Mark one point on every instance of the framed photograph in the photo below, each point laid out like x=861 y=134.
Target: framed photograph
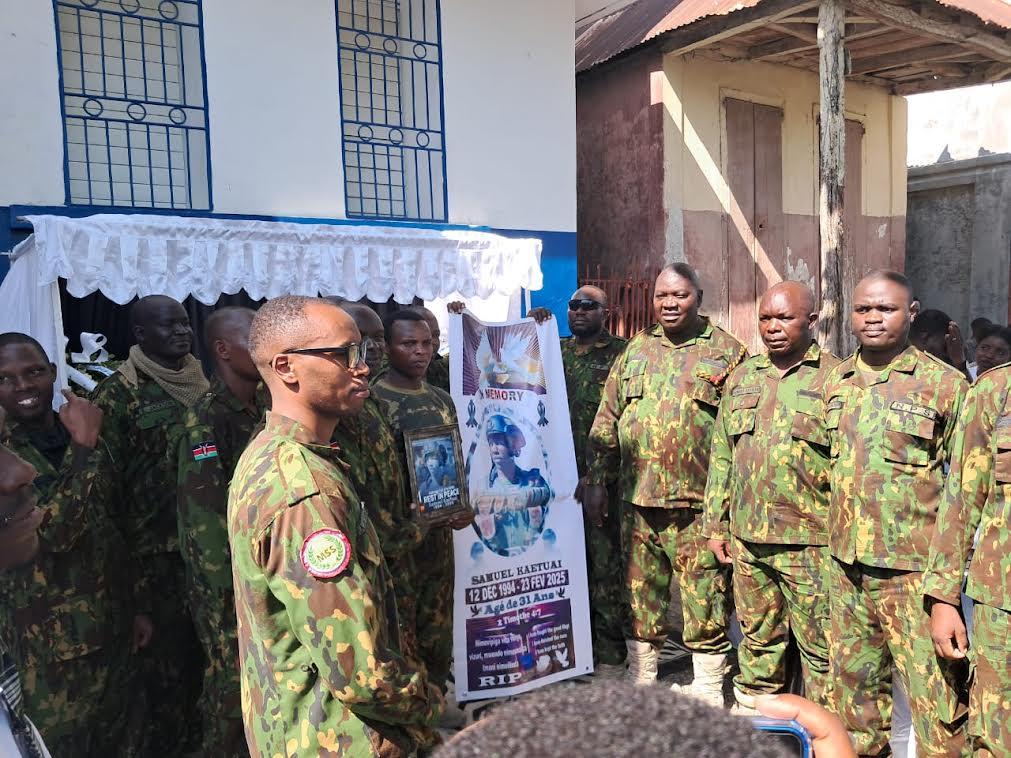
x=438 y=479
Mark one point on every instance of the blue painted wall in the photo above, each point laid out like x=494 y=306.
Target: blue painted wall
x=558 y=264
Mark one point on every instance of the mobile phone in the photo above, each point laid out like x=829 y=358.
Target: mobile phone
x=789 y=734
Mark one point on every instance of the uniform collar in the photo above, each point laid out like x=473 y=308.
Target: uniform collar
x=812 y=357
x=287 y=428
x=604 y=339
x=707 y=332
x=905 y=363
x=222 y=391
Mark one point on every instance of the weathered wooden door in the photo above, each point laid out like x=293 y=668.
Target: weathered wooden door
x=754 y=222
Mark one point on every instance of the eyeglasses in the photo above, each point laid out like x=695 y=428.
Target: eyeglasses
x=584 y=305
x=354 y=353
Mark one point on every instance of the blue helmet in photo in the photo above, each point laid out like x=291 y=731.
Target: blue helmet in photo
x=499 y=424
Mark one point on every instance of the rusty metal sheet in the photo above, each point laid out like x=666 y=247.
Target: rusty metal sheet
x=643 y=20
x=997 y=12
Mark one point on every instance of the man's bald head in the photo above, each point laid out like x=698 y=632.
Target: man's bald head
x=161 y=327
x=226 y=340
x=284 y=323
x=796 y=293
x=150 y=308
x=319 y=385
x=433 y=324
x=589 y=292
x=587 y=311
x=371 y=328
x=365 y=318
x=892 y=277
x=231 y=323
x=786 y=317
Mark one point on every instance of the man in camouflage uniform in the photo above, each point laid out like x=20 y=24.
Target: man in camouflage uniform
x=651 y=439
x=372 y=331
x=438 y=370
x=19 y=544
x=767 y=498
x=977 y=496
x=587 y=357
x=891 y=412
x=410 y=403
x=143 y=402
x=320 y=661
x=369 y=447
x=213 y=435
x=67 y=615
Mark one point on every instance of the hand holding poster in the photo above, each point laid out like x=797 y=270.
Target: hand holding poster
x=521 y=615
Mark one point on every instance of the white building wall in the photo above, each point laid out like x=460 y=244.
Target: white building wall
x=510 y=97
x=31 y=131
x=967 y=122
x=273 y=95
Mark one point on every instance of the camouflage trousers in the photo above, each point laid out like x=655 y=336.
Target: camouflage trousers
x=404 y=575
x=990 y=689
x=659 y=545
x=434 y=585
x=220 y=703
x=172 y=665
x=99 y=689
x=780 y=590
x=877 y=621
x=608 y=602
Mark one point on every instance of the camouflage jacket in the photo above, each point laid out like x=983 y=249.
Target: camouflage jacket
x=768 y=469
x=211 y=438
x=319 y=652
x=73 y=600
x=438 y=372
x=653 y=430
x=977 y=495
x=137 y=431
x=891 y=439
x=586 y=370
x=369 y=446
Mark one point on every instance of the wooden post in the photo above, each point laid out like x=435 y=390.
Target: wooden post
x=832 y=167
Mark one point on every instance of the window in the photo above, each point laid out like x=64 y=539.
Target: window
x=134 y=103
x=390 y=58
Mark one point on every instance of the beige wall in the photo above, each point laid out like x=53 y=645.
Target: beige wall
x=693 y=90
x=704 y=224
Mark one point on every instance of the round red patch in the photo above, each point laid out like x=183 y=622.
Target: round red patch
x=326 y=553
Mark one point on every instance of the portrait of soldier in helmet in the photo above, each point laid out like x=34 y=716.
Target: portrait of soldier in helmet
x=511 y=510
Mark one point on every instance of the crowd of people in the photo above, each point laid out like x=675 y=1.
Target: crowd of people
x=233 y=566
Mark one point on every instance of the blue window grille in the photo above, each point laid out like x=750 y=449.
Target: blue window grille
x=390 y=59
x=134 y=103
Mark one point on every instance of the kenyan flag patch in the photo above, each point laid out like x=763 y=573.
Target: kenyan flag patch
x=205 y=450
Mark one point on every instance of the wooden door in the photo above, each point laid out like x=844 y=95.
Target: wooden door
x=754 y=222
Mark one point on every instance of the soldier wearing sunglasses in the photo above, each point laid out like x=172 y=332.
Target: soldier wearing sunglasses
x=587 y=357
x=319 y=643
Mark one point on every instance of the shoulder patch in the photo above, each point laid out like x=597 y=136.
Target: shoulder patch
x=326 y=553
x=917 y=410
x=205 y=450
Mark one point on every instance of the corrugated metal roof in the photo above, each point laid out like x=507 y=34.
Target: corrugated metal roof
x=640 y=22
x=643 y=20
x=989 y=11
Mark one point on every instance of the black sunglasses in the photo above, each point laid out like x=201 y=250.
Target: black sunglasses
x=584 y=305
x=354 y=353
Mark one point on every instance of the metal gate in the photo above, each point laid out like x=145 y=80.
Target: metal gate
x=630 y=299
